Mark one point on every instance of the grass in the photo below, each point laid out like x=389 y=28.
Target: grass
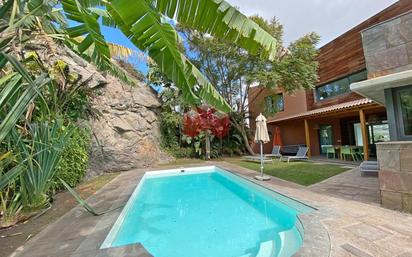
x=303 y=173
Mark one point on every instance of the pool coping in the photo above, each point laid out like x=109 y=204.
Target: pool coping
x=81 y=234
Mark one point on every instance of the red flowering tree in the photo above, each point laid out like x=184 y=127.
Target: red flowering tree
x=206 y=119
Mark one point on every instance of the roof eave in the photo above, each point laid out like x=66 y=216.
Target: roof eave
x=374 y=88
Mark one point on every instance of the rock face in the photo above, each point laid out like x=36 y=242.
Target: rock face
x=127 y=133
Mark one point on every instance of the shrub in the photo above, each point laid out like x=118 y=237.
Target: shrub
x=181 y=152
x=169 y=127
x=74 y=160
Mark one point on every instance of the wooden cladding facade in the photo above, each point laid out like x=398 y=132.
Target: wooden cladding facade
x=345 y=55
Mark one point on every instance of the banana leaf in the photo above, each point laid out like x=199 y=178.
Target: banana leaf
x=83 y=203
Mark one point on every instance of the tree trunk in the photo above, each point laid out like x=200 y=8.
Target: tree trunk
x=207 y=154
x=242 y=131
x=246 y=141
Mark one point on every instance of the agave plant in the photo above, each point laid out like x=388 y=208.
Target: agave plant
x=18 y=91
x=41 y=155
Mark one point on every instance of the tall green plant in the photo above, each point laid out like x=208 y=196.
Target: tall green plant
x=10 y=204
x=18 y=91
x=41 y=154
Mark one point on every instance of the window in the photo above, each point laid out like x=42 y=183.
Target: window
x=405 y=102
x=339 y=87
x=378 y=133
x=274 y=103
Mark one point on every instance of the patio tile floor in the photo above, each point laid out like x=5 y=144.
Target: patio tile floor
x=350 y=185
x=348 y=228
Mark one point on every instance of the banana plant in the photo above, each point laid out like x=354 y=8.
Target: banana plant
x=148 y=24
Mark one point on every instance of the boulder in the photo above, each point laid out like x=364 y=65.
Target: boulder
x=126 y=133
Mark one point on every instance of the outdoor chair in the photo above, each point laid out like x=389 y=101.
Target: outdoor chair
x=369 y=167
x=275 y=152
x=255 y=158
x=359 y=153
x=300 y=155
x=330 y=150
x=347 y=151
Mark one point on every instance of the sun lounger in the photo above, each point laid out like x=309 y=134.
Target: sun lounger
x=255 y=158
x=275 y=152
x=369 y=167
x=300 y=155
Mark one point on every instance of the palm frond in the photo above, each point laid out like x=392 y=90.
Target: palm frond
x=122 y=52
x=150 y=32
x=88 y=27
x=220 y=19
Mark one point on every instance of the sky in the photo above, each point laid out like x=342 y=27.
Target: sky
x=328 y=18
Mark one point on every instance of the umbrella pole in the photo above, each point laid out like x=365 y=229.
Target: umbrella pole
x=261 y=158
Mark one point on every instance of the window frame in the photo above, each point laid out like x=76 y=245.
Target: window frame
x=399 y=117
x=349 y=80
x=274 y=104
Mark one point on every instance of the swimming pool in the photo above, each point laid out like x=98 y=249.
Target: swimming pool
x=208 y=212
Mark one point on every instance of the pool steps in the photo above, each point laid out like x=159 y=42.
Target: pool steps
x=266 y=249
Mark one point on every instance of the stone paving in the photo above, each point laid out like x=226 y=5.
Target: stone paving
x=348 y=228
x=350 y=185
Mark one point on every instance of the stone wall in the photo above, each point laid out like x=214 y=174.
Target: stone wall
x=388 y=46
x=395 y=175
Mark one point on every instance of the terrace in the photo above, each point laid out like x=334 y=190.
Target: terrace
x=337 y=228
x=170 y=166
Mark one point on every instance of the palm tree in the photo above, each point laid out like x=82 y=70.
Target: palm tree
x=149 y=24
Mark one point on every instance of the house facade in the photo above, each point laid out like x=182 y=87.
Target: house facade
x=331 y=114
x=388 y=54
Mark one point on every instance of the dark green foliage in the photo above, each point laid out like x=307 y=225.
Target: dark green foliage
x=74 y=160
x=170 y=129
x=232 y=70
x=182 y=152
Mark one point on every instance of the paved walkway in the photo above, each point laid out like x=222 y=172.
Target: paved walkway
x=350 y=185
x=353 y=228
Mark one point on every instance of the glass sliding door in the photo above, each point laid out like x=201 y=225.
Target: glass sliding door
x=405 y=105
x=358 y=134
x=325 y=137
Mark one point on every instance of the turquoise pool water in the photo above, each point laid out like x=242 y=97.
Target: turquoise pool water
x=208 y=212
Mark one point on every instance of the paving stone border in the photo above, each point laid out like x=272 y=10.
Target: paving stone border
x=339 y=228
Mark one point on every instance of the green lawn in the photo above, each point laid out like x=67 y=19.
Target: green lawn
x=303 y=173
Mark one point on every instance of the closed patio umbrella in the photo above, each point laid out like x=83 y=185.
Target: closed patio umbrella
x=261 y=137
x=277 y=139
